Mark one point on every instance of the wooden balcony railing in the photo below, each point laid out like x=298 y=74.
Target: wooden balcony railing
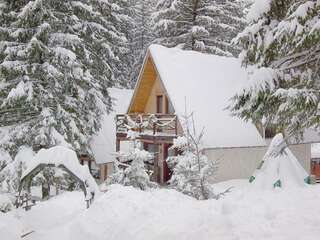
x=148 y=124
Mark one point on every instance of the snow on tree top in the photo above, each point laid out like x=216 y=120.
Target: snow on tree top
x=258 y=8
x=204 y=85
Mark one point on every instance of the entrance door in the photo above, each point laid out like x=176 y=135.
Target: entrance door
x=166 y=170
x=315 y=168
x=152 y=167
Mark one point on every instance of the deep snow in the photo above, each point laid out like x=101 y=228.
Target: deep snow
x=127 y=213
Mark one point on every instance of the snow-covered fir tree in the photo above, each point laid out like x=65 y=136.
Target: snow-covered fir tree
x=121 y=16
x=130 y=167
x=192 y=169
x=201 y=25
x=141 y=35
x=57 y=59
x=282 y=47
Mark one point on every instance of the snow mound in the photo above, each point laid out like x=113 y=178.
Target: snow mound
x=279 y=168
x=127 y=213
x=10 y=227
x=62 y=156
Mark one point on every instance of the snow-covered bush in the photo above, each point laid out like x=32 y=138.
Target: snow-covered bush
x=11 y=173
x=5 y=159
x=191 y=168
x=5 y=203
x=130 y=167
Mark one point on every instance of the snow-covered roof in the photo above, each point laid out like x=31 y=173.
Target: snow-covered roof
x=310 y=135
x=204 y=84
x=103 y=145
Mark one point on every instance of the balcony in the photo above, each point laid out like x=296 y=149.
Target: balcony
x=149 y=126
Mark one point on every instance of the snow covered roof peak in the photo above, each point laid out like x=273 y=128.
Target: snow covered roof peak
x=204 y=84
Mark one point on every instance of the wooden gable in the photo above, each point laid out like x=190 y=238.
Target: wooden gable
x=144 y=86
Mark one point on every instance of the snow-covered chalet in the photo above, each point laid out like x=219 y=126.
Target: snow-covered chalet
x=174 y=82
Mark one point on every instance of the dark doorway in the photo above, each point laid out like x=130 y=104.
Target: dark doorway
x=166 y=170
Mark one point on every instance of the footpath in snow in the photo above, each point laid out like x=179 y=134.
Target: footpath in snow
x=127 y=213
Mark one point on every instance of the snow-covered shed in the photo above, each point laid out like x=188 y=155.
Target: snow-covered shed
x=174 y=82
x=103 y=144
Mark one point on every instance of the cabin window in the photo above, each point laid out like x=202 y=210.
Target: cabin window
x=169 y=108
x=160 y=104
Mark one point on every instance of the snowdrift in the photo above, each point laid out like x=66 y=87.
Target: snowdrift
x=279 y=168
x=128 y=213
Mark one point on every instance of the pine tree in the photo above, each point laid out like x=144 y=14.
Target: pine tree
x=192 y=170
x=134 y=174
x=141 y=35
x=202 y=25
x=123 y=19
x=282 y=47
x=57 y=59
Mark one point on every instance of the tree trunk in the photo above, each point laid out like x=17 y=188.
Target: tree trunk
x=194 y=16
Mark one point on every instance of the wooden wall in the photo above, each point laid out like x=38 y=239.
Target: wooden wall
x=144 y=88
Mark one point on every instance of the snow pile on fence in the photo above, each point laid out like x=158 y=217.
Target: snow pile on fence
x=279 y=168
x=5 y=203
x=62 y=156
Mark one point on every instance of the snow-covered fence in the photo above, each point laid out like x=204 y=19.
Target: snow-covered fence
x=65 y=159
x=25 y=201
x=147 y=123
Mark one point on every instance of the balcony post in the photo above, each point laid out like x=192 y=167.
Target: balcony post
x=176 y=126
x=117 y=145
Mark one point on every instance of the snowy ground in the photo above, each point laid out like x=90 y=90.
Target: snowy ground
x=126 y=213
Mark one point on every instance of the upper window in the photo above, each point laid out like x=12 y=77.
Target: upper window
x=159 y=104
x=169 y=107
